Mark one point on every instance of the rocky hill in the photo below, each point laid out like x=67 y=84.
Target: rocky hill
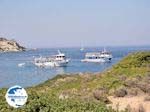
x=10 y=46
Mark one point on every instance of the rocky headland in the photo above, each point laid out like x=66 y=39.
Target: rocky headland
x=10 y=46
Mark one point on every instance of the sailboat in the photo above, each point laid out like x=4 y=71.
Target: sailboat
x=82 y=49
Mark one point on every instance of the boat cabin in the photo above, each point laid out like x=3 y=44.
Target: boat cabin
x=60 y=57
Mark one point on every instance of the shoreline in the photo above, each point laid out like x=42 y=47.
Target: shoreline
x=129 y=77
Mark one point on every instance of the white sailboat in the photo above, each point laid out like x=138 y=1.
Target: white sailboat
x=82 y=49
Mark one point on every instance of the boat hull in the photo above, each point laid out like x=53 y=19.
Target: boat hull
x=101 y=60
x=52 y=64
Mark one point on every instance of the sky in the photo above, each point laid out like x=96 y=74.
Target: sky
x=75 y=23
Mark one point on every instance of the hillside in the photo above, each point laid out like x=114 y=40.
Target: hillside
x=108 y=91
x=10 y=46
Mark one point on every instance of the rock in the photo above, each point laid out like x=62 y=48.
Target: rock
x=131 y=83
x=143 y=84
x=87 y=77
x=120 y=92
x=64 y=95
x=139 y=77
x=133 y=92
x=122 y=77
x=10 y=46
x=144 y=87
x=147 y=98
x=101 y=94
x=67 y=79
x=147 y=78
x=141 y=108
x=128 y=108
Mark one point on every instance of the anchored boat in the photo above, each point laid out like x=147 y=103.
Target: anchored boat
x=103 y=56
x=82 y=49
x=58 y=60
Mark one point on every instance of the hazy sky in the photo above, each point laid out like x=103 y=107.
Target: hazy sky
x=69 y=23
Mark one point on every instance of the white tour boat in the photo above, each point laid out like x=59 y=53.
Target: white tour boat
x=97 y=57
x=58 y=60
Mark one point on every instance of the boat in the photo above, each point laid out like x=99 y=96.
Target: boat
x=58 y=60
x=82 y=49
x=98 y=57
x=21 y=64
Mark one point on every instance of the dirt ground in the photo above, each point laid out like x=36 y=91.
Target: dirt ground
x=135 y=102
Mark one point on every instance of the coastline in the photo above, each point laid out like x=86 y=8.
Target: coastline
x=106 y=88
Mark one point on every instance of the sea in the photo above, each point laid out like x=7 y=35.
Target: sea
x=18 y=68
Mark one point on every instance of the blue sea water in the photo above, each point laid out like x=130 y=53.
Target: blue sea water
x=30 y=75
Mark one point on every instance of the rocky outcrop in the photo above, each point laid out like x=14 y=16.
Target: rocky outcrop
x=101 y=94
x=10 y=46
x=121 y=92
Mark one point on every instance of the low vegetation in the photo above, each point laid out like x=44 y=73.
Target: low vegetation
x=88 y=92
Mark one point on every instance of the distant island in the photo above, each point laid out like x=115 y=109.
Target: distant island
x=10 y=45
